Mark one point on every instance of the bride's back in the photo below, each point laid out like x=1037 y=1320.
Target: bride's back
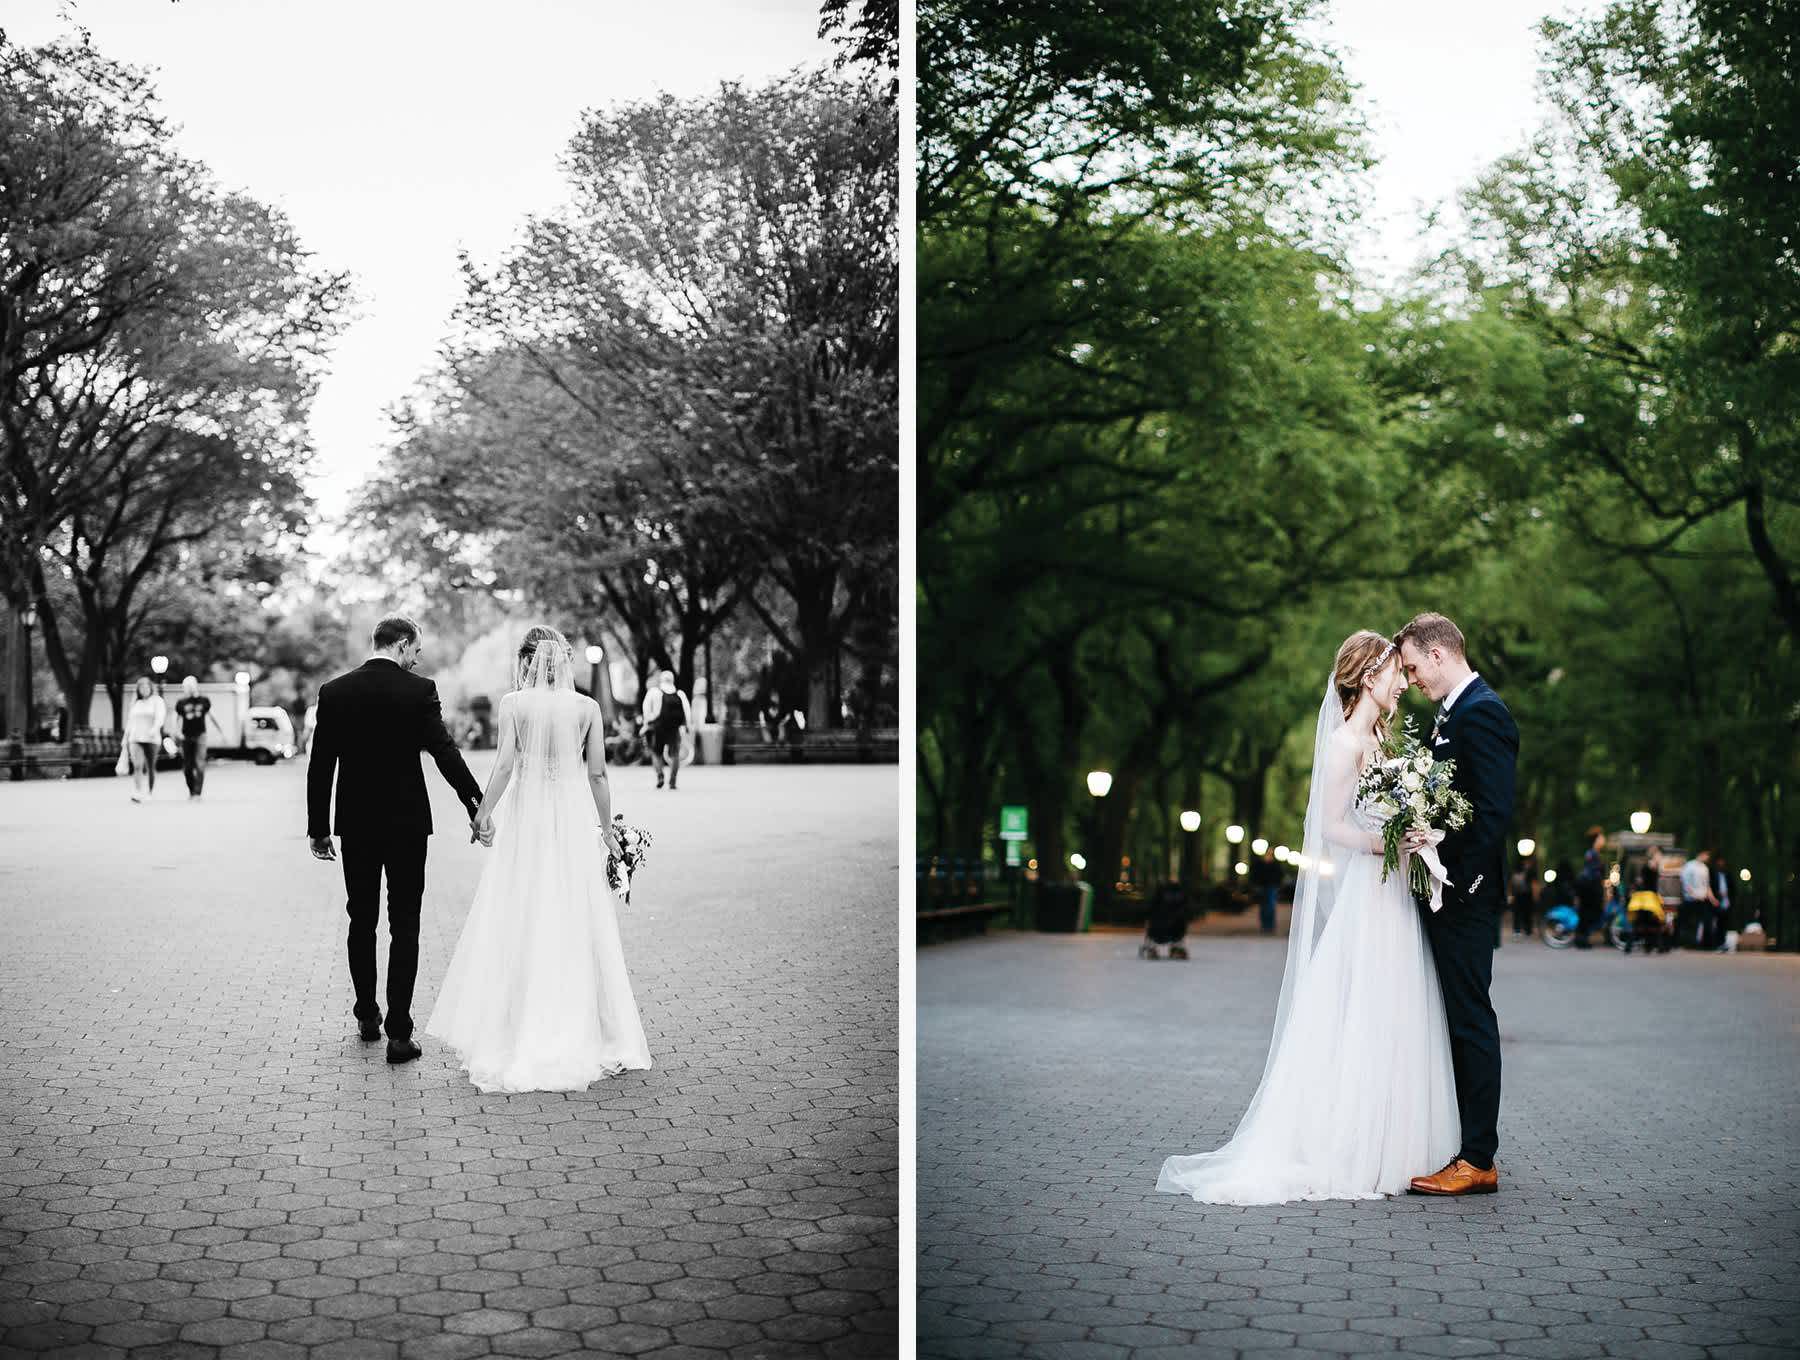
x=549 y=729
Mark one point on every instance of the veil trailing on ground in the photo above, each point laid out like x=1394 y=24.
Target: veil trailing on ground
x=1320 y=867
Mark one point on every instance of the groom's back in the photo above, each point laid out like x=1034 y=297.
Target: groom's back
x=372 y=724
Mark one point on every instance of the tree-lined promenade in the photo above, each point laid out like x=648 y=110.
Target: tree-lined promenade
x=666 y=417
x=1173 y=450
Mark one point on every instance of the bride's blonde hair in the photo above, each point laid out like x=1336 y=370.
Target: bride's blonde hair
x=558 y=656
x=1363 y=654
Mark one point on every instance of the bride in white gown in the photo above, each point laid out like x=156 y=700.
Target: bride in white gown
x=536 y=997
x=1358 y=1094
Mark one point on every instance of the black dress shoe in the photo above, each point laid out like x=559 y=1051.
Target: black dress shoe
x=402 y=1050
x=369 y=1030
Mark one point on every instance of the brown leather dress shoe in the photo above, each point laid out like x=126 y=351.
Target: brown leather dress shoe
x=1459 y=1178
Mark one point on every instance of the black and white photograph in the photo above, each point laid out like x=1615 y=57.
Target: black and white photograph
x=450 y=784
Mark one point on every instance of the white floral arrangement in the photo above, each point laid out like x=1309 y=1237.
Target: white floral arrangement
x=1403 y=788
x=621 y=868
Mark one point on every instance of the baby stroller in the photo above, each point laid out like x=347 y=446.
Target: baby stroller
x=1168 y=923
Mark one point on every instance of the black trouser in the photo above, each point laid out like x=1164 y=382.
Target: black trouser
x=1690 y=923
x=193 y=762
x=665 y=743
x=402 y=858
x=1647 y=927
x=1521 y=913
x=1462 y=942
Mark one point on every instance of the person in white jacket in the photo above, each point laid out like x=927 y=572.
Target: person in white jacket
x=144 y=723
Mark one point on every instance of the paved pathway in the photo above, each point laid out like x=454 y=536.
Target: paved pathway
x=197 y=1157
x=1650 y=1206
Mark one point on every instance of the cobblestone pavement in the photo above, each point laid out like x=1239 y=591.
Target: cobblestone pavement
x=1648 y=1206
x=198 y=1158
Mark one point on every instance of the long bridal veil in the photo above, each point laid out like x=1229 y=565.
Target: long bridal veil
x=1318 y=873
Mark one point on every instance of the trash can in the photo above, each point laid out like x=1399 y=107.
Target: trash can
x=709 y=744
x=1060 y=907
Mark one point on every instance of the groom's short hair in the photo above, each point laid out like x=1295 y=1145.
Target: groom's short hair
x=1431 y=630
x=393 y=630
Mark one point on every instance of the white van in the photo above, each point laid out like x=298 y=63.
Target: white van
x=268 y=735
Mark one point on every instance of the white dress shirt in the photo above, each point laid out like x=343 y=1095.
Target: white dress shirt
x=1455 y=694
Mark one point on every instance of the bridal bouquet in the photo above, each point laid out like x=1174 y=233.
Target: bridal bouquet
x=634 y=841
x=1405 y=788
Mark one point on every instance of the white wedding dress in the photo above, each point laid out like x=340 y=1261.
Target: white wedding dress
x=1358 y=1095
x=536 y=997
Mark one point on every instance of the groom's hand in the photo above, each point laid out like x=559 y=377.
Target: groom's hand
x=322 y=849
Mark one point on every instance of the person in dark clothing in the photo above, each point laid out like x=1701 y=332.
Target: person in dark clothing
x=373 y=724
x=1522 y=893
x=1590 y=887
x=195 y=711
x=1265 y=879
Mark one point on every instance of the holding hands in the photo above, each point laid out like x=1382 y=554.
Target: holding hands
x=481 y=828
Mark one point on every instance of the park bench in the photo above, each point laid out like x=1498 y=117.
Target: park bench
x=950 y=922
x=745 y=744
x=39 y=759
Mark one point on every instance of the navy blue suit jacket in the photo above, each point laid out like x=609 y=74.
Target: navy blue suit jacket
x=1481 y=737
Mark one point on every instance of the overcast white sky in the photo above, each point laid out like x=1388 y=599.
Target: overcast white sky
x=1446 y=89
x=394 y=133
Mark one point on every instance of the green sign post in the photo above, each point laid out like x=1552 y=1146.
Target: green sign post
x=1014 y=823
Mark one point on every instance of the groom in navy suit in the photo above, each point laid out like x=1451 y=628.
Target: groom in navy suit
x=1474 y=729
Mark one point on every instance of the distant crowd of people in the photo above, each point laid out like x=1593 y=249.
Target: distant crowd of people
x=1657 y=918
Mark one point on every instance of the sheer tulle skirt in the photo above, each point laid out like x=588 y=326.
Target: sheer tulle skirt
x=537 y=997
x=1359 y=1096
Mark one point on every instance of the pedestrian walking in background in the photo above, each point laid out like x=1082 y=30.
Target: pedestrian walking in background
x=667 y=718
x=144 y=722
x=1697 y=901
x=1265 y=879
x=1522 y=890
x=1721 y=885
x=195 y=711
x=1590 y=887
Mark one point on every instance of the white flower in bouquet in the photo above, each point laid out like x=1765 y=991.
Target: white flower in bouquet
x=622 y=867
x=1404 y=789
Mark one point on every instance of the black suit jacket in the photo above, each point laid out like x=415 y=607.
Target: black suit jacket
x=373 y=722
x=1481 y=737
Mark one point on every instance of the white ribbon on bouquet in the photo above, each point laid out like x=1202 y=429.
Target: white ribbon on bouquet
x=1440 y=877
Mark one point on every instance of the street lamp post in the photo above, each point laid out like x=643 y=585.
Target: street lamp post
x=1640 y=822
x=159 y=666
x=242 y=681
x=29 y=619
x=1099 y=784
x=599 y=682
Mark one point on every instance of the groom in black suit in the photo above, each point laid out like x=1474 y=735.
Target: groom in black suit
x=1474 y=729
x=372 y=724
